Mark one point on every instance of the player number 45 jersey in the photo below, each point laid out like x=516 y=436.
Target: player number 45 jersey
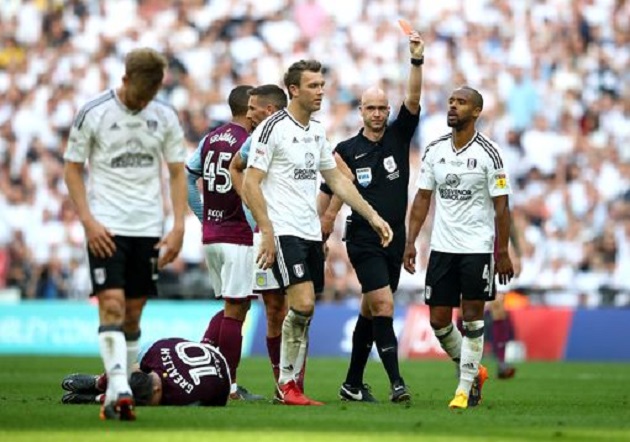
x=464 y=182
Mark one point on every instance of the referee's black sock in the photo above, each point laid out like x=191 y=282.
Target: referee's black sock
x=362 y=340
x=387 y=345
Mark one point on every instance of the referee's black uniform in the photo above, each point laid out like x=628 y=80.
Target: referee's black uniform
x=381 y=171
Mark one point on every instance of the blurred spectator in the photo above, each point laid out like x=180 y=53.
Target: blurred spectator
x=554 y=75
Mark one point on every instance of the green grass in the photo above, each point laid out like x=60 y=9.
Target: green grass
x=546 y=401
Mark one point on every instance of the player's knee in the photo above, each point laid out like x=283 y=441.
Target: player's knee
x=439 y=325
x=112 y=311
x=381 y=302
x=305 y=307
x=382 y=307
x=472 y=314
x=237 y=310
x=497 y=310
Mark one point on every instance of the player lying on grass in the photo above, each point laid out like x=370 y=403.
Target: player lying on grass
x=172 y=371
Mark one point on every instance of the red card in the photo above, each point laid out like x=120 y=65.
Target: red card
x=405 y=26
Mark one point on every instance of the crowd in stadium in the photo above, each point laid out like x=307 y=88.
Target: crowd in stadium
x=553 y=74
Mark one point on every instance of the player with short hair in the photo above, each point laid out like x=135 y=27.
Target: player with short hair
x=171 y=371
x=280 y=187
x=378 y=157
x=125 y=134
x=227 y=237
x=264 y=101
x=465 y=169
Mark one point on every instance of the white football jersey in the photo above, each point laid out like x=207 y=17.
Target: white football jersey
x=291 y=155
x=124 y=150
x=464 y=182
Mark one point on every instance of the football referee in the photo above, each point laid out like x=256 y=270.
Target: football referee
x=378 y=157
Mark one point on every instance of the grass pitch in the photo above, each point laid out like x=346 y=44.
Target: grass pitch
x=546 y=401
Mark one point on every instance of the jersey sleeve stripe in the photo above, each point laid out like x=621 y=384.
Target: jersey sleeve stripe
x=194 y=172
x=78 y=121
x=491 y=151
x=271 y=122
x=433 y=143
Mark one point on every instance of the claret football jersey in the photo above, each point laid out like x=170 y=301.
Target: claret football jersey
x=191 y=372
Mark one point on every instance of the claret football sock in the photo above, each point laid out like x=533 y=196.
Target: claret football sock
x=500 y=337
x=273 y=349
x=230 y=343
x=211 y=336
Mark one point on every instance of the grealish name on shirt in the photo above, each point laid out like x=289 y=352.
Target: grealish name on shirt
x=224 y=136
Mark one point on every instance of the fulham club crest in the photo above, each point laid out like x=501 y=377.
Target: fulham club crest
x=100 y=276
x=472 y=163
x=298 y=270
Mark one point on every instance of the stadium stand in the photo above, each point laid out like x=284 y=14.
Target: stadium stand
x=554 y=76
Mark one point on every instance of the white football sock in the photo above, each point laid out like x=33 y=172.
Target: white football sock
x=293 y=328
x=113 y=348
x=132 y=356
x=472 y=352
x=302 y=353
x=451 y=341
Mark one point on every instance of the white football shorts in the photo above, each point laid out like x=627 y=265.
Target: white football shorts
x=227 y=264
x=262 y=279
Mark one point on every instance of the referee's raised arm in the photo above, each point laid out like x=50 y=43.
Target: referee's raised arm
x=414 y=83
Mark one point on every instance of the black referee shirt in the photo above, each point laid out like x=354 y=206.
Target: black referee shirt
x=381 y=169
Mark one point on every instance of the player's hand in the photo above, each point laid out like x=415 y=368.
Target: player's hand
x=100 y=239
x=172 y=245
x=409 y=258
x=416 y=45
x=382 y=228
x=504 y=268
x=328 y=225
x=267 y=254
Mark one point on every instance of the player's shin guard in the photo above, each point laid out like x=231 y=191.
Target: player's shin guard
x=472 y=352
x=113 y=348
x=293 y=335
x=133 y=345
x=450 y=339
x=387 y=345
x=362 y=340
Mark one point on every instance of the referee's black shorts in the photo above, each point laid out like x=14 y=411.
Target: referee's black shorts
x=452 y=277
x=376 y=266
